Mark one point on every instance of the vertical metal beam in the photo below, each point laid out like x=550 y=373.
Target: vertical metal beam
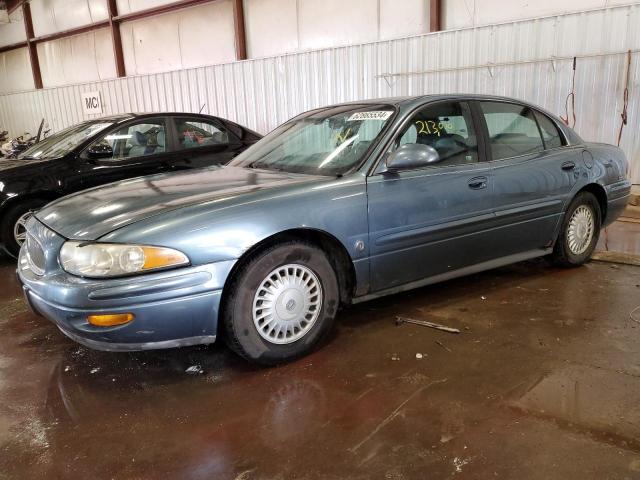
x=33 y=50
x=435 y=15
x=241 y=37
x=116 y=39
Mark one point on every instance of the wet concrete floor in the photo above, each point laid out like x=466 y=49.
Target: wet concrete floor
x=542 y=383
x=622 y=237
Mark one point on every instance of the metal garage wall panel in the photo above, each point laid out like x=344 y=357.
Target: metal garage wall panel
x=265 y=92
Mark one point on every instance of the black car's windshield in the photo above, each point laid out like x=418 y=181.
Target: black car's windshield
x=330 y=141
x=63 y=142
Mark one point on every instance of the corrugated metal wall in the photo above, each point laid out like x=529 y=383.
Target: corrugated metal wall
x=263 y=93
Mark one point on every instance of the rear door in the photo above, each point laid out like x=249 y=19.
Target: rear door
x=202 y=142
x=533 y=174
x=431 y=220
x=140 y=147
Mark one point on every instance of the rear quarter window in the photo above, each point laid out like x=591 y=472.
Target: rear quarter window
x=550 y=133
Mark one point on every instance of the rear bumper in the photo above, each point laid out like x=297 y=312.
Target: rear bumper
x=171 y=309
x=618 y=197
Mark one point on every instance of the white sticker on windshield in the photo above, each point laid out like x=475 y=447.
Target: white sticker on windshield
x=374 y=115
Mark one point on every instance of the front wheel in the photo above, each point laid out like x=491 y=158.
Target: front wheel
x=579 y=232
x=281 y=303
x=12 y=229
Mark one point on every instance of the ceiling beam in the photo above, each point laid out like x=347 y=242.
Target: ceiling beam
x=149 y=12
x=33 y=50
x=116 y=39
x=435 y=15
x=70 y=32
x=240 y=33
x=13 y=46
x=13 y=5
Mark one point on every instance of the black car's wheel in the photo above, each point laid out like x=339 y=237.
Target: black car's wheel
x=281 y=303
x=12 y=227
x=579 y=231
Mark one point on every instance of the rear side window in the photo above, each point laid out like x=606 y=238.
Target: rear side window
x=194 y=133
x=513 y=130
x=550 y=133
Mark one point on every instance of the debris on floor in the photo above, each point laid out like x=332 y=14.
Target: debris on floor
x=194 y=369
x=459 y=463
x=443 y=346
x=418 y=356
x=437 y=326
x=395 y=357
x=95 y=370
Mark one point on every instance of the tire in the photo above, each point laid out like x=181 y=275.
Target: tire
x=568 y=250
x=13 y=215
x=264 y=277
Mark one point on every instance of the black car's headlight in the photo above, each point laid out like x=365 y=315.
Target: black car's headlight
x=114 y=260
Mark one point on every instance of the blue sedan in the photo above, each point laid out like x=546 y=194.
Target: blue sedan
x=339 y=205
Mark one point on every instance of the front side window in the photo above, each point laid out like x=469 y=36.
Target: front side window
x=135 y=140
x=447 y=127
x=329 y=141
x=513 y=130
x=196 y=133
x=550 y=133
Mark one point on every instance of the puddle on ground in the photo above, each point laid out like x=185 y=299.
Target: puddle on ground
x=602 y=402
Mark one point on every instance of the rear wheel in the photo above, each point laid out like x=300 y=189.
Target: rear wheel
x=579 y=232
x=281 y=303
x=12 y=229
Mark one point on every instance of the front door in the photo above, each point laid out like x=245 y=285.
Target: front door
x=432 y=220
x=135 y=149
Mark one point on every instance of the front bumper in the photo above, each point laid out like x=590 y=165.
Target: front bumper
x=172 y=309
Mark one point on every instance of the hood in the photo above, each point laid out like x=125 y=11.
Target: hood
x=11 y=165
x=93 y=213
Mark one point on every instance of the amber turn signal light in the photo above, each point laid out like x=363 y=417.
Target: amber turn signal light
x=110 y=320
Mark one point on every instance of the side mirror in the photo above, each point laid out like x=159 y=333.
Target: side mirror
x=98 y=151
x=412 y=155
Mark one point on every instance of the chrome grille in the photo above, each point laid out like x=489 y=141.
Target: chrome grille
x=35 y=255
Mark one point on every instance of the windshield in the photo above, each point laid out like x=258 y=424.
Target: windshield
x=63 y=142
x=330 y=141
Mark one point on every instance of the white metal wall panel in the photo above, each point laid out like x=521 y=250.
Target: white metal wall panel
x=265 y=92
x=186 y=38
x=15 y=70
x=468 y=13
x=50 y=16
x=271 y=27
x=13 y=32
x=130 y=6
x=80 y=58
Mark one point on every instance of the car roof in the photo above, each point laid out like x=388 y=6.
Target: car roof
x=419 y=99
x=121 y=117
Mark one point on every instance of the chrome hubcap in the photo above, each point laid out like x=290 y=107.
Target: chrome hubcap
x=580 y=230
x=20 y=229
x=287 y=304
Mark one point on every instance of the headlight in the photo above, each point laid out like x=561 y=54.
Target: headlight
x=113 y=260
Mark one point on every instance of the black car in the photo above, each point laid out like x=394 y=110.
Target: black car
x=107 y=150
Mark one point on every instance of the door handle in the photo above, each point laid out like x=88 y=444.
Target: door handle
x=478 y=183
x=567 y=166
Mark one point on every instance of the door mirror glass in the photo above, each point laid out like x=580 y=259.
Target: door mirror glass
x=412 y=155
x=100 y=150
